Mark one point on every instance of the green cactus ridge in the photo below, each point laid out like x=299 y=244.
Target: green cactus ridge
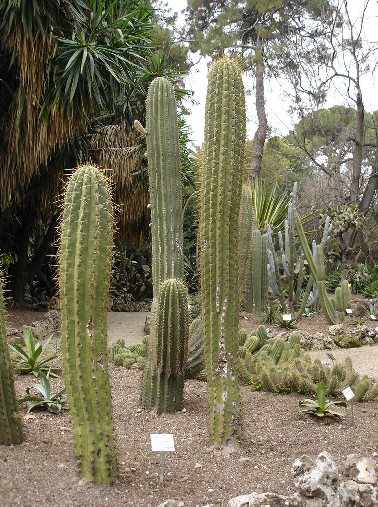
x=10 y=422
x=221 y=186
x=196 y=359
x=172 y=334
x=163 y=152
x=85 y=263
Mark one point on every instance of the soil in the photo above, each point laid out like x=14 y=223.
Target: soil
x=42 y=471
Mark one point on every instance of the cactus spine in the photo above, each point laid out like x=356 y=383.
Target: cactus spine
x=220 y=201
x=10 y=423
x=163 y=153
x=85 y=262
x=172 y=334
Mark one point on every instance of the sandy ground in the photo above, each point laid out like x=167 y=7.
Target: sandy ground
x=126 y=325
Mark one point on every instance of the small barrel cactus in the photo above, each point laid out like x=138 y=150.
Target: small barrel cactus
x=85 y=263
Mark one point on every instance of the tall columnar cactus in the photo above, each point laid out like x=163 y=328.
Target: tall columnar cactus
x=259 y=278
x=85 y=263
x=163 y=153
x=172 y=334
x=10 y=422
x=221 y=187
x=247 y=225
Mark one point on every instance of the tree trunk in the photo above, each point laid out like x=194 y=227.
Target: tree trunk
x=372 y=184
x=357 y=155
x=260 y=135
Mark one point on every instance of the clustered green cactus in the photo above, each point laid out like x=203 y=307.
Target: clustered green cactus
x=286 y=266
x=132 y=356
x=221 y=186
x=253 y=255
x=85 y=263
x=334 y=310
x=283 y=367
x=162 y=386
x=10 y=422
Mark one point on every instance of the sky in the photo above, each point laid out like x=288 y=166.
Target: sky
x=279 y=119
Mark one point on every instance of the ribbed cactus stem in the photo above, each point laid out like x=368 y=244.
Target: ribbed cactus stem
x=163 y=152
x=10 y=422
x=245 y=240
x=172 y=334
x=221 y=191
x=85 y=263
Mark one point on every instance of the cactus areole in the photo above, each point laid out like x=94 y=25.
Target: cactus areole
x=221 y=188
x=85 y=263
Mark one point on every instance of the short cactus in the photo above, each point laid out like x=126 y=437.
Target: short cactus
x=10 y=422
x=221 y=185
x=85 y=263
x=172 y=334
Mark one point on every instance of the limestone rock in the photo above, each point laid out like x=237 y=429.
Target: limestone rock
x=266 y=499
x=318 y=481
x=171 y=503
x=353 y=494
x=360 y=469
x=336 y=330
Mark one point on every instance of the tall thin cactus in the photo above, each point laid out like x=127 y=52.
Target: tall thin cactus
x=10 y=422
x=221 y=187
x=163 y=153
x=85 y=263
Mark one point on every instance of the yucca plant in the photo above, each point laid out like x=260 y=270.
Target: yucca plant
x=270 y=205
x=52 y=402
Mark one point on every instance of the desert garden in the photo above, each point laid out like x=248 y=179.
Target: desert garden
x=152 y=288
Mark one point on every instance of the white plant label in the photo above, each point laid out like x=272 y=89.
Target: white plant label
x=348 y=393
x=287 y=317
x=162 y=442
x=373 y=317
x=349 y=311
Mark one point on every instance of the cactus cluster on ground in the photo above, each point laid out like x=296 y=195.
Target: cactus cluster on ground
x=10 y=421
x=221 y=186
x=84 y=278
x=280 y=366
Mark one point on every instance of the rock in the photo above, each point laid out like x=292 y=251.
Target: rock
x=244 y=459
x=265 y=499
x=316 y=341
x=353 y=494
x=347 y=342
x=171 y=503
x=49 y=325
x=336 y=330
x=362 y=470
x=318 y=481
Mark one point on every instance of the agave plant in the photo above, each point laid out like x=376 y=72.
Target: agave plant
x=270 y=205
x=52 y=402
x=322 y=407
x=31 y=357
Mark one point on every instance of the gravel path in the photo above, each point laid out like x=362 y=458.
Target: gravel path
x=365 y=359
